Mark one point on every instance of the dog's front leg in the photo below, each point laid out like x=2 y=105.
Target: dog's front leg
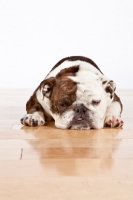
x=35 y=113
x=113 y=114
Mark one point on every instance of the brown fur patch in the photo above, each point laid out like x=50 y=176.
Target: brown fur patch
x=63 y=95
x=33 y=105
x=71 y=71
x=64 y=91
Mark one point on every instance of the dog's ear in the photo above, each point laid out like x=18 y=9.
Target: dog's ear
x=110 y=87
x=46 y=87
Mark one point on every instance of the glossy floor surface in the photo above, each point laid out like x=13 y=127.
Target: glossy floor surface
x=49 y=163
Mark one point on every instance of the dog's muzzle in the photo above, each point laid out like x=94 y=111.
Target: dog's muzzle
x=80 y=119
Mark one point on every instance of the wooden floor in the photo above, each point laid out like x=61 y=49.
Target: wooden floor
x=45 y=163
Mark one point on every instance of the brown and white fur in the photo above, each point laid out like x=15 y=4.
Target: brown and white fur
x=77 y=95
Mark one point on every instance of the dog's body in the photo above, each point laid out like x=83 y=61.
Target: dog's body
x=76 y=95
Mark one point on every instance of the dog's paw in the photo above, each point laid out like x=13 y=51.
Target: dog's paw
x=113 y=121
x=35 y=119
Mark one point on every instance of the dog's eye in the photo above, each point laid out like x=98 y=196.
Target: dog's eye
x=62 y=105
x=95 y=102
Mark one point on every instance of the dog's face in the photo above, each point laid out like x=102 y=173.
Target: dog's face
x=77 y=101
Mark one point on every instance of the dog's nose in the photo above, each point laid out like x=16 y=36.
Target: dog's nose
x=80 y=109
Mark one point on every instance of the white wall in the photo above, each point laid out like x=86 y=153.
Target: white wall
x=35 y=34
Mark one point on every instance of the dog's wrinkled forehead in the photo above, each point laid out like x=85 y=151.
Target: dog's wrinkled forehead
x=89 y=85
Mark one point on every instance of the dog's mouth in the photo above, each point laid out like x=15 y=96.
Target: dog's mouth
x=79 y=124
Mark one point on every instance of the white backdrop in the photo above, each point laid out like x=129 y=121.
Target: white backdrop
x=35 y=34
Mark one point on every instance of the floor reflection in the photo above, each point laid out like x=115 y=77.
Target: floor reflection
x=72 y=152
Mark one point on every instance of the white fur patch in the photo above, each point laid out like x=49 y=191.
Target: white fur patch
x=62 y=121
x=112 y=116
x=45 y=102
x=84 y=66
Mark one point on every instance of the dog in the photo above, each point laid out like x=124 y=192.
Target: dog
x=77 y=95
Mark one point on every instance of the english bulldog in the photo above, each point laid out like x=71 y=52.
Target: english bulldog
x=77 y=95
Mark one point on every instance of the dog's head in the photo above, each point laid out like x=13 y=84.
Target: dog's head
x=77 y=99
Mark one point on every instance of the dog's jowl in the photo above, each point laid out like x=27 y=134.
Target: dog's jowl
x=77 y=95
